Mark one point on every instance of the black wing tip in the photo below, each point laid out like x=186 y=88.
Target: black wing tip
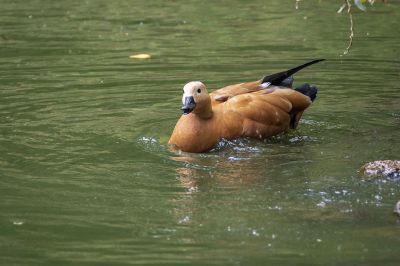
x=309 y=63
x=318 y=60
x=277 y=78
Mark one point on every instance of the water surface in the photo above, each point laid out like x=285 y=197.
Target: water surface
x=87 y=178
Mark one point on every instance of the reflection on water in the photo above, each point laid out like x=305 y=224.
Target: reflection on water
x=233 y=161
x=87 y=177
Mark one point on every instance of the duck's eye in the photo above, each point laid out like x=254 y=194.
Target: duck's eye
x=183 y=91
x=199 y=90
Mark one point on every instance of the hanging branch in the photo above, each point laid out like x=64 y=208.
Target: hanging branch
x=348 y=5
x=347 y=2
x=297 y=4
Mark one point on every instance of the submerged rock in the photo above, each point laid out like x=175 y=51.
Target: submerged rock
x=397 y=208
x=386 y=168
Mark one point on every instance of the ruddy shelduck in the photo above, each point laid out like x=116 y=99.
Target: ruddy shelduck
x=258 y=109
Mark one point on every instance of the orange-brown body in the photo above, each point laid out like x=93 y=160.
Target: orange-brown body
x=241 y=110
x=258 y=109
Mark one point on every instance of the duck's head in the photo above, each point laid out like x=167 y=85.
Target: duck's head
x=196 y=99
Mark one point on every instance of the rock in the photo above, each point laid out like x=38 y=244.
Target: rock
x=385 y=168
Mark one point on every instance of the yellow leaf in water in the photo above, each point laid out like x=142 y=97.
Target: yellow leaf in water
x=140 y=56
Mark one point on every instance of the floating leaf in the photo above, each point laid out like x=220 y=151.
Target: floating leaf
x=140 y=56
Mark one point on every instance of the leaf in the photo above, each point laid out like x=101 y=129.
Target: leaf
x=140 y=56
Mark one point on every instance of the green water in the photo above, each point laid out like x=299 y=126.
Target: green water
x=86 y=177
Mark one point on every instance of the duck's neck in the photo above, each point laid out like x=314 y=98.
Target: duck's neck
x=205 y=112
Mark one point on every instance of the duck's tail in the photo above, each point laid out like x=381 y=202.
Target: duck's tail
x=308 y=90
x=285 y=78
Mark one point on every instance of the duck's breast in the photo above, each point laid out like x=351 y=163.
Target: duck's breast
x=194 y=134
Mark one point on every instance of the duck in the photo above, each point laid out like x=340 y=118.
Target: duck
x=258 y=109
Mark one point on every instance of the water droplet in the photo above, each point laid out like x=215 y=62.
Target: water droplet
x=275 y=208
x=185 y=219
x=193 y=189
x=255 y=233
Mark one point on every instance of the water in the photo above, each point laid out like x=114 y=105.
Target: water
x=87 y=178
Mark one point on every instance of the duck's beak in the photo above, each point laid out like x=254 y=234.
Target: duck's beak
x=188 y=105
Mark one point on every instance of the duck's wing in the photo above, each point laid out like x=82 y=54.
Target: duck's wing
x=284 y=79
x=258 y=107
x=262 y=115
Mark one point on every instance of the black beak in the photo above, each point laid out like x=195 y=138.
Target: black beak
x=189 y=105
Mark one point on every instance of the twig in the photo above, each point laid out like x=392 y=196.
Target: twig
x=341 y=8
x=347 y=3
x=297 y=4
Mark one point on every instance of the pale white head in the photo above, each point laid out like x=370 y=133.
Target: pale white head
x=195 y=98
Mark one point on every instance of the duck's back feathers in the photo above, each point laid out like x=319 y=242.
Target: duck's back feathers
x=230 y=91
x=281 y=79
